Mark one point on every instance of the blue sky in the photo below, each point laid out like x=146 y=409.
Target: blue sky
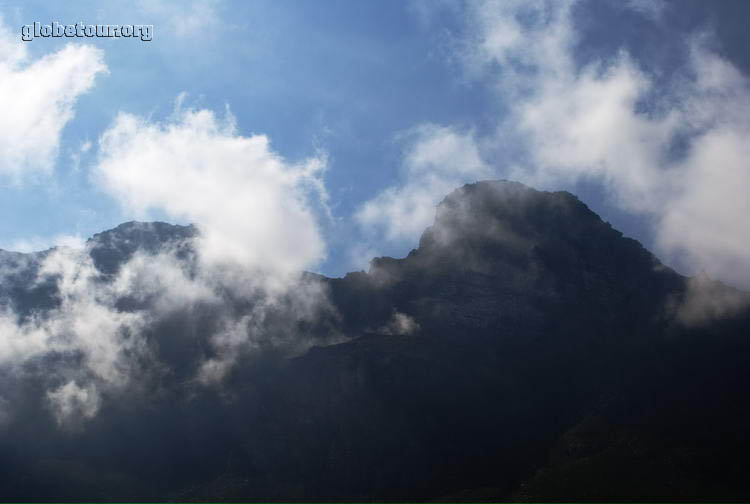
x=633 y=106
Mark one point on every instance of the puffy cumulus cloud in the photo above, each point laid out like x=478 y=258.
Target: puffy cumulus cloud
x=253 y=208
x=37 y=100
x=257 y=217
x=174 y=302
x=670 y=149
x=437 y=159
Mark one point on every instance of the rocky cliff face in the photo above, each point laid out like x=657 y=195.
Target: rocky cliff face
x=525 y=350
x=548 y=364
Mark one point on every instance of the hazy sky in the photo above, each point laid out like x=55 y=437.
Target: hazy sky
x=319 y=134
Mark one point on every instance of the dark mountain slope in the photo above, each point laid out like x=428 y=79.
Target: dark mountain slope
x=502 y=254
x=537 y=321
x=111 y=248
x=525 y=350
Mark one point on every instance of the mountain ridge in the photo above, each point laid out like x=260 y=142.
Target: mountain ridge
x=525 y=350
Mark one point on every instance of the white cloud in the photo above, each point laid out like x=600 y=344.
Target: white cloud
x=229 y=344
x=75 y=156
x=257 y=216
x=608 y=122
x=37 y=99
x=92 y=340
x=97 y=348
x=707 y=300
x=527 y=39
x=103 y=347
x=253 y=208
x=163 y=281
x=271 y=322
x=36 y=243
x=72 y=403
x=86 y=322
x=400 y=324
x=437 y=161
x=706 y=218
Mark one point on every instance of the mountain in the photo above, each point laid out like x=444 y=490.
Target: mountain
x=526 y=350
x=112 y=248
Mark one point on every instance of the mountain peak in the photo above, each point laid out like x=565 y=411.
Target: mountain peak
x=491 y=225
x=502 y=209
x=109 y=249
x=525 y=344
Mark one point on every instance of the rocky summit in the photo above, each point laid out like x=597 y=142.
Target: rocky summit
x=525 y=350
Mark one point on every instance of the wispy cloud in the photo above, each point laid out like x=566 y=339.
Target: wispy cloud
x=612 y=122
x=37 y=243
x=258 y=214
x=257 y=218
x=37 y=99
x=436 y=161
x=183 y=19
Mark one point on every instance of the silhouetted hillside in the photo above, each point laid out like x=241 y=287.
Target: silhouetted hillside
x=525 y=350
